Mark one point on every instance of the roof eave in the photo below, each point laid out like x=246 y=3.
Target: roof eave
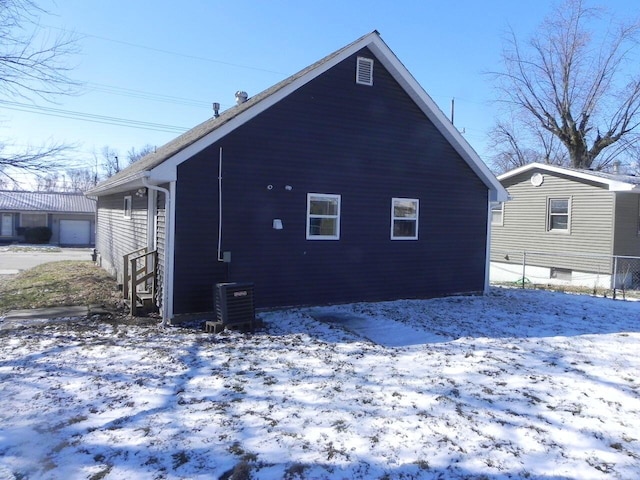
x=165 y=170
x=439 y=119
x=612 y=185
x=123 y=184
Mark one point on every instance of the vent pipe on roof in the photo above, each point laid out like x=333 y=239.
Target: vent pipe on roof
x=241 y=97
x=216 y=109
x=616 y=167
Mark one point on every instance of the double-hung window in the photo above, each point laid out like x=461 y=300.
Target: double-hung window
x=558 y=216
x=404 y=218
x=323 y=216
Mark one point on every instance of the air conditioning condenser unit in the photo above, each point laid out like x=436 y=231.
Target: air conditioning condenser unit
x=234 y=304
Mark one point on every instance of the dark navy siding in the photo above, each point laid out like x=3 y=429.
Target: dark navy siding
x=368 y=144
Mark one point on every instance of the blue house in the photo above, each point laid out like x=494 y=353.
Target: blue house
x=342 y=183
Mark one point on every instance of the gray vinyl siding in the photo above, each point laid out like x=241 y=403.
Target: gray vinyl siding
x=117 y=235
x=626 y=240
x=160 y=243
x=524 y=225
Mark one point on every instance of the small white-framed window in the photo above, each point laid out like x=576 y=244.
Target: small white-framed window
x=323 y=216
x=126 y=208
x=404 y=218
x=364 y=71
x=497 y=213
x=558 y=214
x=32 y=220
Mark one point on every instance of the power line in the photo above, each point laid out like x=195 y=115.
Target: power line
x=168 y=52
x=157 y=97
x=90 y=117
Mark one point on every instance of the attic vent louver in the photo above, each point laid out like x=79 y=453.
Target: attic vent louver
x=364 y=71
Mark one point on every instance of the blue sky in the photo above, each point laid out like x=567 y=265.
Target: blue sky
x=189 y=54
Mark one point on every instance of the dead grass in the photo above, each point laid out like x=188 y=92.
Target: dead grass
x=57 y=284
x=595 y=291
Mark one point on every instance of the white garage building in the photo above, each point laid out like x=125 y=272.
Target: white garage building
x=70 y=216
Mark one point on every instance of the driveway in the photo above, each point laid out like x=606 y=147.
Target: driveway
x=12 y=262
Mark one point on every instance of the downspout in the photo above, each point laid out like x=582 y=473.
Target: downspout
x=487 y=262
x=167 y=245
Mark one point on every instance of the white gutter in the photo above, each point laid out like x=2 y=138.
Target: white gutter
x=121 y=183
x=167 y=247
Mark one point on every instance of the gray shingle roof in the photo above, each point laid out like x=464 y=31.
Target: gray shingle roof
x=618 y=177
x=183 y=141
x=46 y=202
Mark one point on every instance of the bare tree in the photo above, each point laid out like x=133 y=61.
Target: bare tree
x=581 y=88
x=80 y=179
x=31 y=66
x=110 y=161
x=532 y=144
x=134 y=155
x=37 y=160
x=49 y=182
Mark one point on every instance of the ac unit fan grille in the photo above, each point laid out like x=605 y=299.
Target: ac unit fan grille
x=234 y=303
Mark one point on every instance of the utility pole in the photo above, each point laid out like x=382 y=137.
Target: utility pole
x=453 y=108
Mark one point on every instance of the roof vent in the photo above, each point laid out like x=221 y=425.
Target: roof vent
x=616 y=167
x=216 y=109
x=364 y=71
x=241 y=97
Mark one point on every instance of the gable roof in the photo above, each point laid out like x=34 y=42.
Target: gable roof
x=50 y=202
x=160 y=166
x=611 y=181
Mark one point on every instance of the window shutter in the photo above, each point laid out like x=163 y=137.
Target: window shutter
x=364 y=71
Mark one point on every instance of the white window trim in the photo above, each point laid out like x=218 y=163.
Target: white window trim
x=126 y=212
x=309 y=216
x=44 y=214
x=393 y=217
x=501 y=222
x=566 y=231
x=359 y=78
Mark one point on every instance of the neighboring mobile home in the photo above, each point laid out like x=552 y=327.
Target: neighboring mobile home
x=342 y=183
x=70 y=216
x=571 y=223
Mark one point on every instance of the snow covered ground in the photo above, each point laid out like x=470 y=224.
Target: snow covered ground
x=517 y=384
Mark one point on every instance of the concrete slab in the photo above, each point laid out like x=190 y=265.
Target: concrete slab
x=382 y=331
x=46 y=313
x=12 y=262
x=40 y=316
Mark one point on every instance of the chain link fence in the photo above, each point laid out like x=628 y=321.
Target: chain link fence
x=614 y=275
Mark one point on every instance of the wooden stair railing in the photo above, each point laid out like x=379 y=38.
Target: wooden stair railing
x=139 y=289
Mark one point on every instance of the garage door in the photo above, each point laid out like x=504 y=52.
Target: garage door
x=75 y=232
